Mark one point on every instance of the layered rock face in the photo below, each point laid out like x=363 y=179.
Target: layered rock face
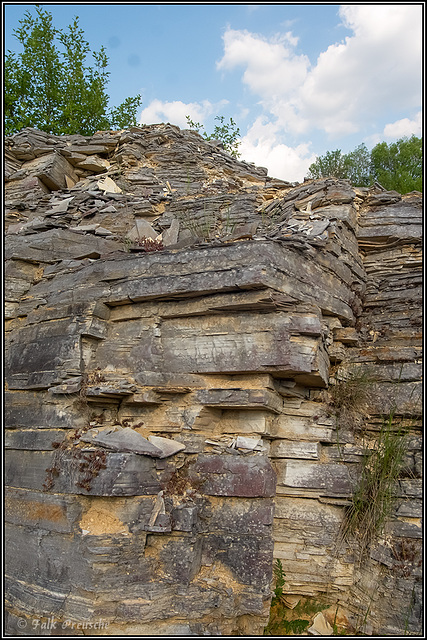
x=175 y=323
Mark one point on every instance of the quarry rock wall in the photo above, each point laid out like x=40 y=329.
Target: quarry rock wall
x=176 y=324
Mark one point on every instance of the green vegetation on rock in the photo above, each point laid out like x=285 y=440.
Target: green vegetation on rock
x=226 y=132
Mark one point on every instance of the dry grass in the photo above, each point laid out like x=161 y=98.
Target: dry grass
x=350 y=398
x=374 y=496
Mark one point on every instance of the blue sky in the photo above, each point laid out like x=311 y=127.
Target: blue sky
x=298 y=80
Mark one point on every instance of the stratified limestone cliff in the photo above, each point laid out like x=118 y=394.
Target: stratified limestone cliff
x=176 y=321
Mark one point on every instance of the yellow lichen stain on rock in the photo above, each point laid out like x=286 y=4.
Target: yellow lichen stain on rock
x=414 y=521
x=159 y=208
x=99 y=520
x=38 y=275
x=34 y=511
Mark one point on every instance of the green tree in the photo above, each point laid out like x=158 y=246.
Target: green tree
x=332 y=164
x=354 y=166
x=358 y=166
x=125 y=114
x=398 y=166
x=85 y=104
x=226 y=132
x=56 y=90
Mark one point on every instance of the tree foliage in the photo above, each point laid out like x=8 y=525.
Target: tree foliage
x=226 y=132
x=54 y=88
x=331 y=164
x=358 y=163
x=397 y=166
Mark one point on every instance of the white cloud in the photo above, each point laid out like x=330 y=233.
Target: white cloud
x=352 y=83
x=398 y=129
x=175 y=112
x=377 y=68
x=260 y=145
x=404 y=127
x=272 y=69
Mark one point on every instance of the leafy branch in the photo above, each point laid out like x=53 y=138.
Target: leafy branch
x=226 y=132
